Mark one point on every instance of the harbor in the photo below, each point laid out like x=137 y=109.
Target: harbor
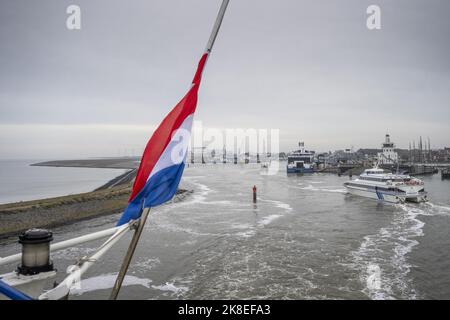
x=224 y=157
x=265 y=214
x=303 y=239
x=111 y=196
x=412 y=161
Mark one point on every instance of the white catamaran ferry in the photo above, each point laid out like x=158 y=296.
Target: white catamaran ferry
x=376 y=184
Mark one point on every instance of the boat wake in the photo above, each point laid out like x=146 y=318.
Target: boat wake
x=323 y=189
x=268 y=219
x=73 y=253
x=200 y=193
x=285 y=207
x=201 y=197
x=172 y=289
x=247 y=230
x=438 y=209
x=381 y=260
x=278 y=204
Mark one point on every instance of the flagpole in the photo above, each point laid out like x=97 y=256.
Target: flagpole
x=217 y=25
x=145 y=212
x=127 y=260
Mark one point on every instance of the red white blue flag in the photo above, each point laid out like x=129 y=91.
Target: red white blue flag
x=164 y=157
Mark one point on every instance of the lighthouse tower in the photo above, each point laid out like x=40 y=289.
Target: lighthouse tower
x=388 y=155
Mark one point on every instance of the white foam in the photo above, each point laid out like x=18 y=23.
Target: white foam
x=322 y=189
x=284 y=206
x=188 y=177
x=269 y=219
x=171 y=288
x=241 y=226
x=201 y=194
x=246 y=234
x=438 y=209
x=221 y=202
x=310 y=187
x=169 y=226
x=388 y=249
x=279 y=204
x=373 y=281
x=73 y=253
x=106 y=281
x=248 y=230
x=335 y=190
x=147 y=264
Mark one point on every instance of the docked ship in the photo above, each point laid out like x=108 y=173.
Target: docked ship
x=376 y=184
x=301 y=161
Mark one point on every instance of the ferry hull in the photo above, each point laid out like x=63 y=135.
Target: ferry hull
x=299 y=170
x=387 y=197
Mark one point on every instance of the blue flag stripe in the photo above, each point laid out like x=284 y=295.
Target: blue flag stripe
x=161 y=187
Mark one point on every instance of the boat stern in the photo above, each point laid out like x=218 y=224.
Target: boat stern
x=417 y=198
x=413 y=192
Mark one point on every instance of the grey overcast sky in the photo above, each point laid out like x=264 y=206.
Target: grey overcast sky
x=310 y=68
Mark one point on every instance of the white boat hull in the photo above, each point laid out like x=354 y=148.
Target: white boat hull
x=386 y=197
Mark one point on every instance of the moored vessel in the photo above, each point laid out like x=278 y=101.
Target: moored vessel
x=301 y=161
x=376 y=184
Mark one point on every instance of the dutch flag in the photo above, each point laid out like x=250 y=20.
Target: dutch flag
x=164 y=157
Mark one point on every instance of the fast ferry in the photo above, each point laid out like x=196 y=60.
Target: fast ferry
x=376 y=184
x=301 y=161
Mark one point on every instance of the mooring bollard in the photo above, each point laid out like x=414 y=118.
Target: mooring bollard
x=35 y=252
x=254 y=194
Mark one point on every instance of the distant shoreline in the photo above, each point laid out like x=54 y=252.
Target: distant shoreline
x=111 y=198
x=108 y=163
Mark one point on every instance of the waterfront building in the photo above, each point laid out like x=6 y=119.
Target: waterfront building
x=388 y=155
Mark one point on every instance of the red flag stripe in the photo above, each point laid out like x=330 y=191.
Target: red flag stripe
x=162 y=135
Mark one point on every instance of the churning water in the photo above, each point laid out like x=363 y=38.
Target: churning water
x=305 y=238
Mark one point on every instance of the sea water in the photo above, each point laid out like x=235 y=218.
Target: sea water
x=305 y=238
x=21 y=182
